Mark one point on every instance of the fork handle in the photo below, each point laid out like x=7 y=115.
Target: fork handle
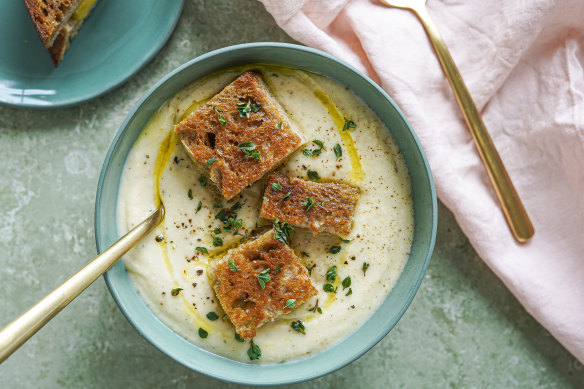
x=25 y=326
x=513 y=208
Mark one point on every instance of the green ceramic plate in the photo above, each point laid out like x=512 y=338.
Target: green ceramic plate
x=116 y=40
x=384 y=318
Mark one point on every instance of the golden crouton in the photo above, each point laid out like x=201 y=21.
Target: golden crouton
x=327 y=207
x=258 y=281
x=239 y=135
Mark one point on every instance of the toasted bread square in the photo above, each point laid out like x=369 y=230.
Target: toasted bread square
x=240 y=292
x=332 y=209
x=214 y=133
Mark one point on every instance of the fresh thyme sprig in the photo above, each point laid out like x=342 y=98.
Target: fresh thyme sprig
x=282 y=231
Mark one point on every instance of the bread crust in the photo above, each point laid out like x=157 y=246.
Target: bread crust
x=332 y=211
x=55 y=24
x=269 y=129
x=240 y=293
x=49 y=17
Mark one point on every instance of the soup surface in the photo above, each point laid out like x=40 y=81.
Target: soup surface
x=169 y=268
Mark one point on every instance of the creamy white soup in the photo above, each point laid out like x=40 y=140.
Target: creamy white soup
x=169 y=268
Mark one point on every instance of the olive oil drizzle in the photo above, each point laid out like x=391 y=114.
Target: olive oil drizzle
x=192 y=108
x=159 y=166
x=339 y=120
x=198 y=320
x=165 y=152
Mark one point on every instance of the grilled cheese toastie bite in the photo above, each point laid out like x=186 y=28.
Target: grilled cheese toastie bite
x=57 y=22
x=325 y=207
x=259 y=281
x=239 y=135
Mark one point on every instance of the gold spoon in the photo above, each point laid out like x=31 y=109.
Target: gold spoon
x=513 y=209
x=26 y=325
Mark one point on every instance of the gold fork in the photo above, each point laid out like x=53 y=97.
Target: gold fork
x=513 y=208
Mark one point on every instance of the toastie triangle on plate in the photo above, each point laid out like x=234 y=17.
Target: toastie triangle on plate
x=57 y=22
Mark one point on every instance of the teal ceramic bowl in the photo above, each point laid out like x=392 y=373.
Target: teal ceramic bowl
x=384 y=318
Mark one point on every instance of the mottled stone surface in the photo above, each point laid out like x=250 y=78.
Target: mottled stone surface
x=464 y=329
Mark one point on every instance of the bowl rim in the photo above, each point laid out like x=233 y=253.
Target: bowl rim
x=227 y=377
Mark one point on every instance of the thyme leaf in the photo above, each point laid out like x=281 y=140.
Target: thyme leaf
x=249 y=149
x=365 y=267
x=331 y=274
x=309 y=203
x=282 y=231
x=217 y=241
x=335 y=249
x=338 y=151
x=298 y=326
x=328 y=288
x=232 y=266
x=349 y=124
x=244 y=109
x=263 y=277
x=313 y=175
x=254 y=351
x=221 y=119
x=346 y=282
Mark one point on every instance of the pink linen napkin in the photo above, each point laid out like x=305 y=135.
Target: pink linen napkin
x=523 y=63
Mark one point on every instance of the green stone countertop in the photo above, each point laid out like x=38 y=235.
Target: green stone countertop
x=463 y=329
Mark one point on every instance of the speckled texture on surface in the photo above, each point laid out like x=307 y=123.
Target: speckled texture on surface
x=463 y=329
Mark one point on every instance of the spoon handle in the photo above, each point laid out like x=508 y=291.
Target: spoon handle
x=513 y=208
x=26 y=325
